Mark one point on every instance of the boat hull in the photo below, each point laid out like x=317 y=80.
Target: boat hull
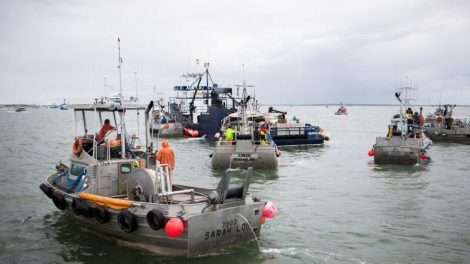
x=222 y=226
x=395 y=150
x=454 y=135
x=243 y=155
x=300 y=135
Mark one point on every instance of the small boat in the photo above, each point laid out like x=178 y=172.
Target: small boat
x=114 y=187
x=286 y=133
x=53 y=106
x=117 y=190
x=20 y=109
x=164 y=124
x=342 y=110
x=64 y=106
x=244 y=150
x=444 y=127
x=405 y=142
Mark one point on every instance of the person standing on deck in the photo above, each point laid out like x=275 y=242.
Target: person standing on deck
x=166 y=155
x=106 y=127
x=230 y=134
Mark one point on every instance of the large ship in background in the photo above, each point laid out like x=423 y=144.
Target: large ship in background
x=201 y=105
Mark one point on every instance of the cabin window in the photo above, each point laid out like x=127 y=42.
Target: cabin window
x=76 y=169
x=126 y=168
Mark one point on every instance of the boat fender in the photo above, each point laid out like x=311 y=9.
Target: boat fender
x=101 y=214
x=46 y=189
x=127 y=221
x=59 y=201
x=156 y=219
x=81 y=207
x=75 y=204
x=77 y=147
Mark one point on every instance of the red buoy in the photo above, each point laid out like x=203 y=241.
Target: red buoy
x=371 y=152
x=270 y=210
x=423 y=156
x=174 y=227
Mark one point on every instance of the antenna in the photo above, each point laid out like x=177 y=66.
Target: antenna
x=136 y=90
x=106 y=85
x=119 y=67
x=123 y=126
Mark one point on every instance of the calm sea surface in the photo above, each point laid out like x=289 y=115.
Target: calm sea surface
x=335 y=205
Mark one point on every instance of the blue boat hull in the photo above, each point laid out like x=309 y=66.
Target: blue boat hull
x=292 y=136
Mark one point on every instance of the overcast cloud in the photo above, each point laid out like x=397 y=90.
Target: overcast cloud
x=293 y=51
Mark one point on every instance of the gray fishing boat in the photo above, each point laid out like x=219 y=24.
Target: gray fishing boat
x=244 y=149
x=164 y=124
x=113 y=187
x=405 y=142
x=442 y=126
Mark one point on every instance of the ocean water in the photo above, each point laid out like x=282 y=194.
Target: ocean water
x=335 y=205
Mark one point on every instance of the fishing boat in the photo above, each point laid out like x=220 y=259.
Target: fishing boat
x=442 y=126
x=64 y=106
x=291 y=132
x=405 y=142
x=200 y=108
x=20 y=109
x=342 y=110
x=114 y=187
x=164 y=124
x=244 y=148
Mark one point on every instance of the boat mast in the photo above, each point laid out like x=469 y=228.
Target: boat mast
x=123 y=126
x=137 y=99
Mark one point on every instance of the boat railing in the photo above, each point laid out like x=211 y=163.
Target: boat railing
x=164 y=171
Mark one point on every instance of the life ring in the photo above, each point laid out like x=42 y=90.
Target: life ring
x=47 y=190
x=59 y=201
x=101 y=214
x=166 y=126
x=156 y=219
x=77 y=147
x=439 y=119
x=126 y=221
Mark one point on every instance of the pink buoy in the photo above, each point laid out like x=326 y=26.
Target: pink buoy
x=371 y=152
x=174 y=227
x=270 y=210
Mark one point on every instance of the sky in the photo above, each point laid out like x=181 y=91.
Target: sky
x=293 y=52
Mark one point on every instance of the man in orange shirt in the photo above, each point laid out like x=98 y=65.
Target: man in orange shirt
x=166 y=155
x=106 y=127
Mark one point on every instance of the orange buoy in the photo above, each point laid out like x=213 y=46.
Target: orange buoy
x=117 y=204
x=77 y=147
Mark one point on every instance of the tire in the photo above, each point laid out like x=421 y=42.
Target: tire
x=127 y=221
x=76 y=202
x=47 y=190
x=100 y=214
x=156 y=219
x=59 y=201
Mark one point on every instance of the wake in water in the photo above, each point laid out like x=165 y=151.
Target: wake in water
x=316 y=254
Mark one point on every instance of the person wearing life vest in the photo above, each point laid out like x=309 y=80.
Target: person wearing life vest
x=106 y=127
x=166 y=155
x=230 y=134
x=263 y=133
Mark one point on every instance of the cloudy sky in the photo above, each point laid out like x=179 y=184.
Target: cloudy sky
x=293 y=51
